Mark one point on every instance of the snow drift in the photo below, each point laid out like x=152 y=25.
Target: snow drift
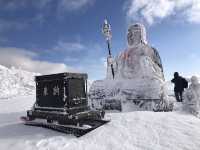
x=14 y=82
x=126 y=131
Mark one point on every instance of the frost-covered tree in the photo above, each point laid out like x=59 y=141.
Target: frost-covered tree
x=192 y=97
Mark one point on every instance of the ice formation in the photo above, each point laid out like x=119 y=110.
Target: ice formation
x=15 y=82
x=192 y=97
x=138 y=76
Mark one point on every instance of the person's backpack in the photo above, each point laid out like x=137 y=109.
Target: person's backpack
x=185 y=83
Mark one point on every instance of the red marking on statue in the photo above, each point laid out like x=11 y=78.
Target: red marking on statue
x=123 y=56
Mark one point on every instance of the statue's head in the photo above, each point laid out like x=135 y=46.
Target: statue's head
x=194 y=80
x=136 y=35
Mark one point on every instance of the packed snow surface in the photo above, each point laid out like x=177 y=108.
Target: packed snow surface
x=15 y=82
x=126 y=131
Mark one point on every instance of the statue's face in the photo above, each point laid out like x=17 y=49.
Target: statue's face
x=194 y=80
x=134 y=35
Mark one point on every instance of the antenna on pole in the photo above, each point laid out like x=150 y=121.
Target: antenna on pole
x=108 y=35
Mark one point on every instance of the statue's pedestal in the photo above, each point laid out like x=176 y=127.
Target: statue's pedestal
x=125 y=93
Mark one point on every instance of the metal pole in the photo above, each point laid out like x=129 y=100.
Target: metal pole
x=107 y=33
x=109 y=49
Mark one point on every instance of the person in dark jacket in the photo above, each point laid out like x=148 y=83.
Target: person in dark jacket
x=179 y=85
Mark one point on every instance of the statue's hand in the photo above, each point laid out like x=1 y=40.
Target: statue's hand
x=110 y=60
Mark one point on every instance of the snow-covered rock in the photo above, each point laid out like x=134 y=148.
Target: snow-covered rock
x=138 y=74
x=192 y=97
x=15 y=82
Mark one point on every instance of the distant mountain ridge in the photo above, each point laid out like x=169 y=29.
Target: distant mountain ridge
x=14 y=82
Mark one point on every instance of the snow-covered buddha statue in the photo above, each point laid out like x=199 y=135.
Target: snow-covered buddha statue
x=139 y=60
x=138 y=72
x=192 y=97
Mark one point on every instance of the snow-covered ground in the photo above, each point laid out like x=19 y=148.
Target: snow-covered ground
x=15 y=82
x=127 y=131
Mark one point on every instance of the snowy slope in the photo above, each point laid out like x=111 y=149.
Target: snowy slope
x=126 y=131
x=15 y=82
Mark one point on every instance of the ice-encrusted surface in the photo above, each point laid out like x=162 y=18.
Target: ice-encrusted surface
x=192 y=97
x=138 y=72
x=14 y=82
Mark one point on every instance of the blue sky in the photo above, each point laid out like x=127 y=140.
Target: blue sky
x=50 y=36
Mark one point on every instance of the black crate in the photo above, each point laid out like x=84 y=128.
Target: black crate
x=63 y=90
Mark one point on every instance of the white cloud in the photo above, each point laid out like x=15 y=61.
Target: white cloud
x=194 y=13
x=69 y=46
x=24 y=59
x=74 y=4
x=10 y=25
x=70 y=59
x=151 y=10
x=40 y=8
x=3 y=39
x=41 y=4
